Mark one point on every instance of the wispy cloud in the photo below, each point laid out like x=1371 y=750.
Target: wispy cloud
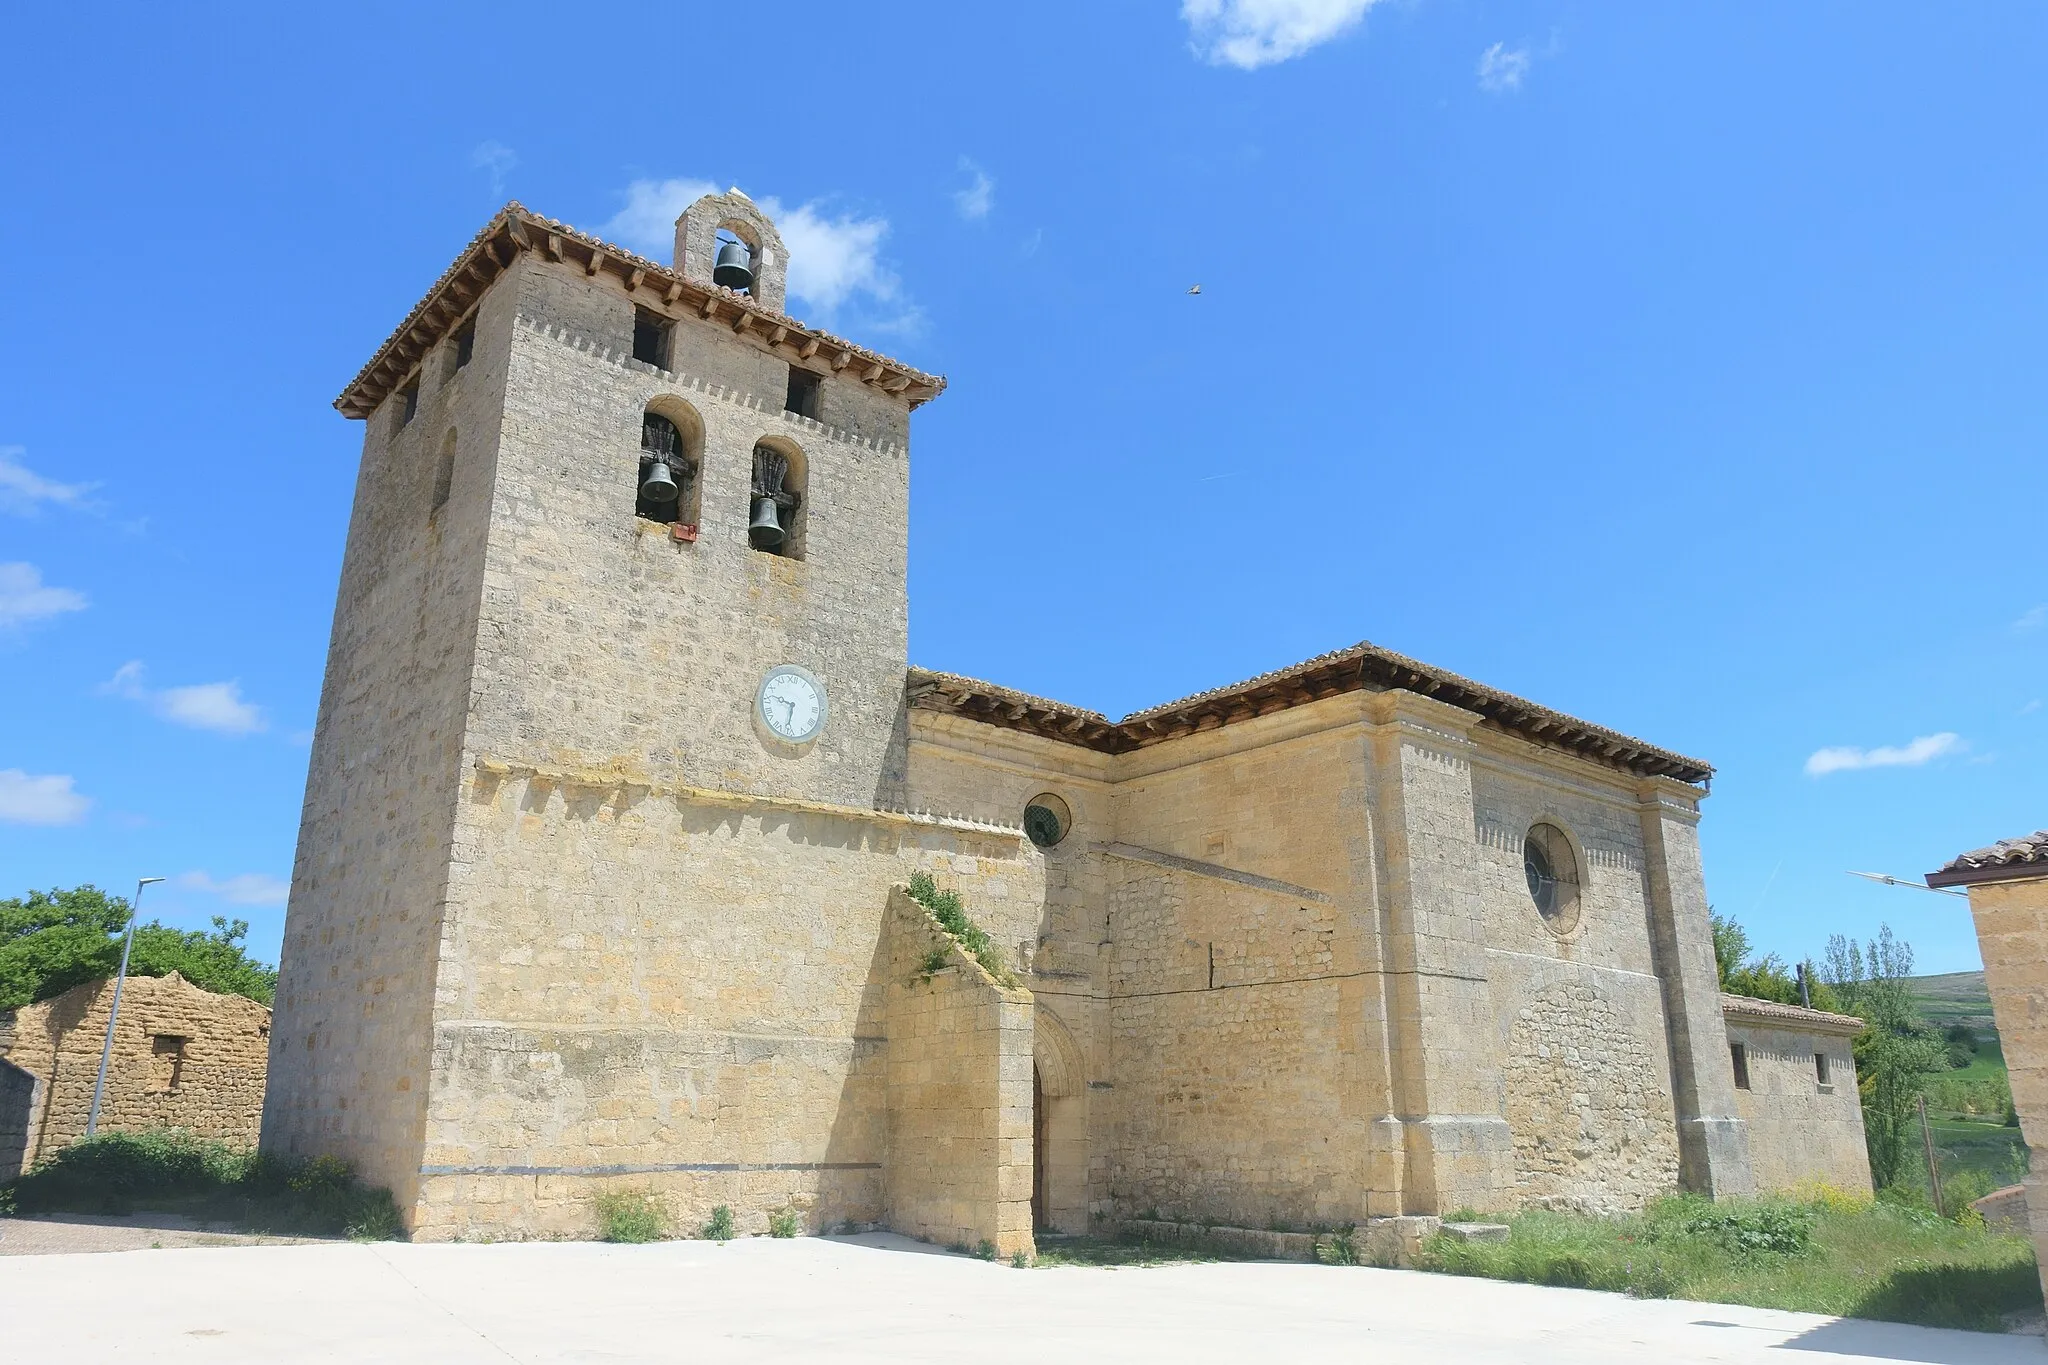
x=24 y=491
x=834 y=258
x=2031 y=620
x=45 y=800
x=1848 y=758
x=217 y=706
x=1503 y=68
x=1249 y=34
x=249 y=888
x=978 y=198
x=496 y=160
x=24 y=597
x=2031 y=707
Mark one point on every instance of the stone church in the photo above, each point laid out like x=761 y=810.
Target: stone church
x=621 y=771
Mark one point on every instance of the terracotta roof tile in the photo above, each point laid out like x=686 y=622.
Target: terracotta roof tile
x=1794 y=1015
x=2006 y=860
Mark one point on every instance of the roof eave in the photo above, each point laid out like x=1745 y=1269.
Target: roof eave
x=515 y=229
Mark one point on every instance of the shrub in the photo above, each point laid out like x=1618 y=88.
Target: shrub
x=720 y=1226
x=1337 y=1248
x=787 y=1223
x=987 y=1250
x=628 y=1216
x=118 y=1172
x=1745 y=1229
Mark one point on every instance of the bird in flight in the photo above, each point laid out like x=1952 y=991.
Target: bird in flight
x=1194 y=289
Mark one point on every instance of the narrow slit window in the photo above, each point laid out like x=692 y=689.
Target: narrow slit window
x=804 y=388
x=650 y=338
x=1739 y=1055
x=465 y=343
x=408 y=402
x=1820 y=1068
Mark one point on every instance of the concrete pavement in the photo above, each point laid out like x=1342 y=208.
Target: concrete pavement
x=875 y=1298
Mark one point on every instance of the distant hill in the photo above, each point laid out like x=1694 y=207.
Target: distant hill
x=1953 y=998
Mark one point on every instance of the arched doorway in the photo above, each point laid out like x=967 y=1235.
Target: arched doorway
x=1059 y=1128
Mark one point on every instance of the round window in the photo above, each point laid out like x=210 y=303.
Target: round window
x=1552 y=872
x=1047 y=820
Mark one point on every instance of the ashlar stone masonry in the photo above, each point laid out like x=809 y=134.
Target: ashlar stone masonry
x=582 y=902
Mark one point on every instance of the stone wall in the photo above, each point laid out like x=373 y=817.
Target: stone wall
x=2012 y=929
x=183 y=1058
x=19 y=1093
x=350 y=1059
x=1588 y=1102
x=1309 y=981
x=1802 y=1131
x=959 y=1092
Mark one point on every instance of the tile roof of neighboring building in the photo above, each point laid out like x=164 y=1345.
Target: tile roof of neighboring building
x=515 y=228
x=2006 y=860
x=1364 y=666
x=1790 y=1016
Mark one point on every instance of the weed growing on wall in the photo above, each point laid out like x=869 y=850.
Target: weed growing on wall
x=720 y=1227
x=945 y=907
x=628 y=1216
x=787 y=1223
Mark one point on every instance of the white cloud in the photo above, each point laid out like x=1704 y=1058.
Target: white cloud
x=496 y=159
x=977 y=199
x=1249 y=34
x=250 y=888
x=23 y=490
x=2030 y=620
x=24 y=597
x=47 y=800
x=2031 y=707
x=217 y=706
x=1848 y=758
x=834 y=260
x=1502 y=68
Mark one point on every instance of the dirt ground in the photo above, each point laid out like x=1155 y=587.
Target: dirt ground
x=58 y=1233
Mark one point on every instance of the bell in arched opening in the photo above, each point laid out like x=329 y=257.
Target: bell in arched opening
x=765 y=531
x=735 y=267
x=659 y=485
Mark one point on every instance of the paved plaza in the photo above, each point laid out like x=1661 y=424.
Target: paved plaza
x=878 y=1298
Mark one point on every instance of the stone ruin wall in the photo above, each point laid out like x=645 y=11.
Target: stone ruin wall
x=183 y=1058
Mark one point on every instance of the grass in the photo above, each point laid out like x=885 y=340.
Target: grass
x=1853 y=1258
x=1100 y=1251
x=629 y=1216
x=172 y=1171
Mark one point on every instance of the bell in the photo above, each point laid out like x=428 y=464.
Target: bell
x=765 y=532
x=659 y=485
x=735 y=269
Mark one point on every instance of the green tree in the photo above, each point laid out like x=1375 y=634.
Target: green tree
x=52 y=940
x=1896 y=1050
x=1762 y=978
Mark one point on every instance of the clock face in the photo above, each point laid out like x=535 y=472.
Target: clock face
x=792 y=704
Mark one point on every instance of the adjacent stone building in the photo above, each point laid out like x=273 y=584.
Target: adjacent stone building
x=183 y=1058
x=620 y=769
x=2008 y=887
x=1795 y=1087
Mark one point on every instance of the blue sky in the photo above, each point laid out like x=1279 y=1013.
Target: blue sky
x=1676 y=366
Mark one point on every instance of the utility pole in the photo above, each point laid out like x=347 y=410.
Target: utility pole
x=99 y=1087
x=1933 y=1166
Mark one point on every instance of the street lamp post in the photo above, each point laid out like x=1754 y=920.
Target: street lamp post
x=92 y=1119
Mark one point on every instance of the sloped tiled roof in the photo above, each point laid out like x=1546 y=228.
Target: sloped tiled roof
x=1364 y=666
x=2006 y=860
x=1789 y=1016
x=515 y=229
